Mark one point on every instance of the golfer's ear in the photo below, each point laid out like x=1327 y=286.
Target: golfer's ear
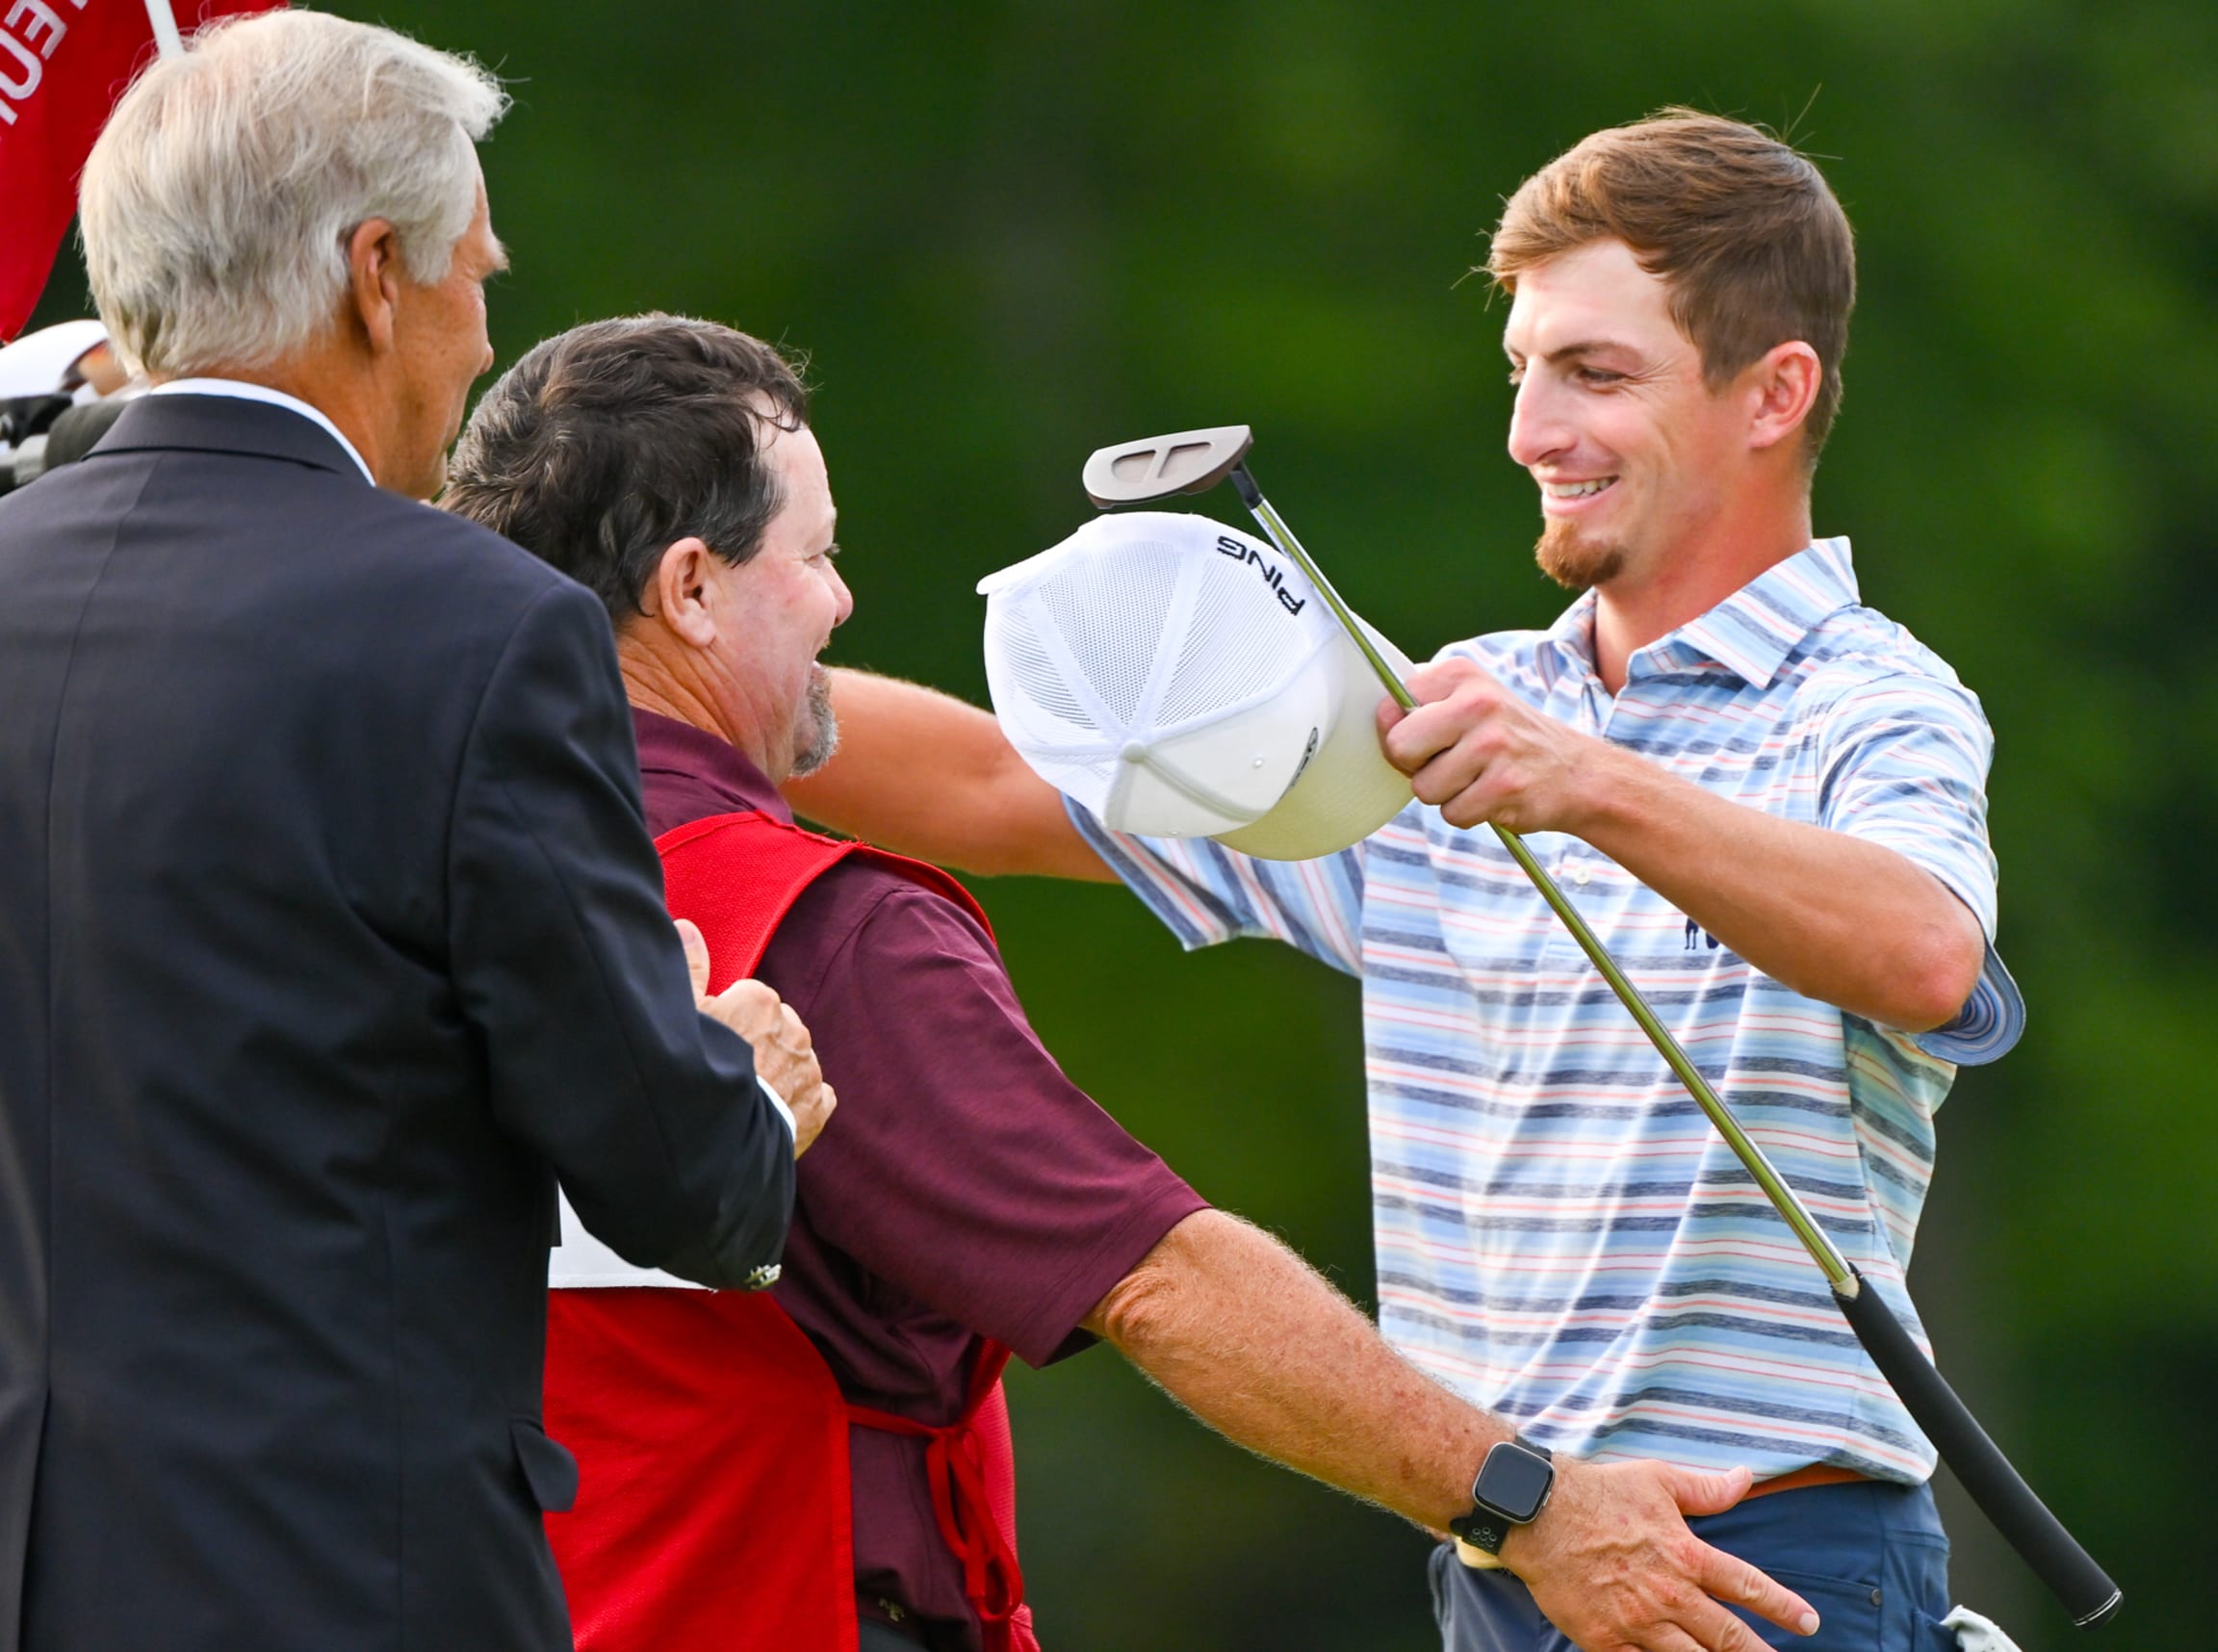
x=679 y=593
x=1783 y=388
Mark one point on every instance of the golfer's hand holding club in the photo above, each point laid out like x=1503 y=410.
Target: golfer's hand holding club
x=1613 y=1565
x=784 y=1053
x=1481 y=755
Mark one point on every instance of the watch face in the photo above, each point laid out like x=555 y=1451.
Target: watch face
x=1514 y=1482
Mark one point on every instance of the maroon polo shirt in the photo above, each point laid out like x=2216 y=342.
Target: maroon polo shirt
x=964 y=1188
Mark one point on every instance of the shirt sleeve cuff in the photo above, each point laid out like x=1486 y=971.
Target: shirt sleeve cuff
x=1987 y=1026
x=778 y=1101
x=1190 y=912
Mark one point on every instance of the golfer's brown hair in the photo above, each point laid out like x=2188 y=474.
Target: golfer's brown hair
x=1751 y=245
x=606 y=444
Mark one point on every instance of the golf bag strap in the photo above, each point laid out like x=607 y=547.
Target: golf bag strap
x=737 y=875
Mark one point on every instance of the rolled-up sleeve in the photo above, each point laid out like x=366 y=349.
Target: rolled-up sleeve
x=1904 y=765
x=573 y=975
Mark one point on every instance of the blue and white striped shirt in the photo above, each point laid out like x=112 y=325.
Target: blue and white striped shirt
x=1560 y=1236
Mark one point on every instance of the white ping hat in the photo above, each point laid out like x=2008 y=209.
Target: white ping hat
x=1182 y=680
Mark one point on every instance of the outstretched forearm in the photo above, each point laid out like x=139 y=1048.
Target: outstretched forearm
x=923 y=774
x=1254 y=1342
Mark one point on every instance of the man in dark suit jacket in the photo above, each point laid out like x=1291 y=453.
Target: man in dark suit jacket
x=330 y=933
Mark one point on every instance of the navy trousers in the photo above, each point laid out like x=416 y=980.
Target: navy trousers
x=1871 y=1559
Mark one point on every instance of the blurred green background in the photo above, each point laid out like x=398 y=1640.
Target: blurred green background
x=1009 y=233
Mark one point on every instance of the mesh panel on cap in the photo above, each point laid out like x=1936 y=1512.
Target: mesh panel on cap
x=1110 y=614
x=1239 y=643
x=1042 y=685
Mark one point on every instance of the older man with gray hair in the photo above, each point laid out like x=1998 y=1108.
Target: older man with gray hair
x=331 y=931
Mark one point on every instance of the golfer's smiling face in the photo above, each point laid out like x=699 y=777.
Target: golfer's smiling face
x=1633 y=454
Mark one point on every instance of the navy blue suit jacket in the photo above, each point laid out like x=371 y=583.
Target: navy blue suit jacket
x=330 y=934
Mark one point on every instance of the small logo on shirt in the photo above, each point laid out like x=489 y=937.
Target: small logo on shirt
x=1695 y=933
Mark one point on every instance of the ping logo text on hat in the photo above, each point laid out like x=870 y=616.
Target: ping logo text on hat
x=1242 y=551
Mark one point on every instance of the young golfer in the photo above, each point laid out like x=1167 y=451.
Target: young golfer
x=829 y=1459
x=1765 y=798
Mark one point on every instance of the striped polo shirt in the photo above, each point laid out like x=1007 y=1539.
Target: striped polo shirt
x=1562 y=1237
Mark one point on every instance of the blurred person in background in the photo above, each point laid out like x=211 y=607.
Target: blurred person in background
x=1768 y=800
x=61 y=388
x=972 y=1202
x=330 y=931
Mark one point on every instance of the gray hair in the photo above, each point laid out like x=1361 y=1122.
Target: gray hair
x=215 y=207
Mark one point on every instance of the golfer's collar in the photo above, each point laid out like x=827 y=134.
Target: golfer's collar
x=1572 y=636
x=1753 y=631
x=239 y=390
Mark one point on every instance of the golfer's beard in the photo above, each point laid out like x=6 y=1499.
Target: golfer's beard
x=1575 y=562
x=819 y=736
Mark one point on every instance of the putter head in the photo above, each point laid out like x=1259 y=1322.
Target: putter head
x=1156 y=467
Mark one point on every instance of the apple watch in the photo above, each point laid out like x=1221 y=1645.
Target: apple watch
x=1511 y=1489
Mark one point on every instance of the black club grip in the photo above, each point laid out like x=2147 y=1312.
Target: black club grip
x=2002 y=1495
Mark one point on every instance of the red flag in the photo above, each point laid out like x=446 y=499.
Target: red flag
x=63 y=66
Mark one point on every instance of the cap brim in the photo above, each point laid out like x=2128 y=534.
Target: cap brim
x=1349 y=790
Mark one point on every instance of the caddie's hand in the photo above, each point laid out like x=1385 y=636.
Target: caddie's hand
x=1613 y=1565
x=784 y=1054
x=1483 y=754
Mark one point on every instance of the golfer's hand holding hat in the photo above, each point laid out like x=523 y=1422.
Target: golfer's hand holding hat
x=1481 y=755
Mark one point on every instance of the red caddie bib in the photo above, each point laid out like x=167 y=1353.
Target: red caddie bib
x=714 y=1507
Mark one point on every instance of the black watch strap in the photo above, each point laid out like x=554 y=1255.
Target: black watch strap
x=1481 y=1530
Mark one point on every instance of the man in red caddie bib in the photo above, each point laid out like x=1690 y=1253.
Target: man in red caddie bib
x=825 y=1464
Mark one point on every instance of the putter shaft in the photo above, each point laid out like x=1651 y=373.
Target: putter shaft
x=1823 y=1251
